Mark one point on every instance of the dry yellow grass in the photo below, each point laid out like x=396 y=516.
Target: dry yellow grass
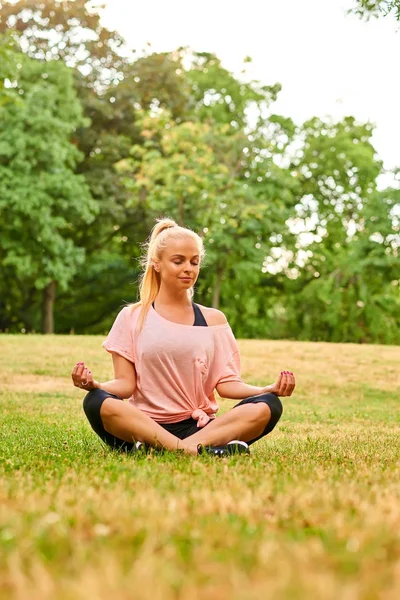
x=313 y=513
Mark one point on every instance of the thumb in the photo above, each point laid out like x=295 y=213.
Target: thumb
x=203 y=420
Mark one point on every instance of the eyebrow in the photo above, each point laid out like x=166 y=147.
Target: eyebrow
x=182 y=256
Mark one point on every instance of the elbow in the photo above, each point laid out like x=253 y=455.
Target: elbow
x=129 y=388
x=223 y=390
x=219 y=390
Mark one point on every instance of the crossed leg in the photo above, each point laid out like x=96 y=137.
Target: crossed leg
x=125 y=422
x=248 y=421
x=244 y=423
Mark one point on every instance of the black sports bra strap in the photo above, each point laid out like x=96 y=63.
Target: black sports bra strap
x=199 y=320
x=199 y=317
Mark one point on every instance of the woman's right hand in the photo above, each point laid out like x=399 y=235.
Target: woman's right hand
x=83 y=378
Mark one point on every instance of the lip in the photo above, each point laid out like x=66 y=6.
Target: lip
x=186 y=278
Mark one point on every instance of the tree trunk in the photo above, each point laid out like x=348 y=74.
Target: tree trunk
x=217 y=287
x=49 y=294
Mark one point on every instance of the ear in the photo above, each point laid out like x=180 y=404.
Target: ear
x=156 y=266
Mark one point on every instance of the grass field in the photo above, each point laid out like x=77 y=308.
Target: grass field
x=314 y=512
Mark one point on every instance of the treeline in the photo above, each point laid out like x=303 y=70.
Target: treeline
x=95 y=144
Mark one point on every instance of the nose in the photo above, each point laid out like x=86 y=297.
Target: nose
x=188 y=268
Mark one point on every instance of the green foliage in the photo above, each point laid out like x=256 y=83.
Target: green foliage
x=376 y=8
x=206 y=168
x=158 y=80
x=300 y=243
x=219 y=97
x=348 y=289
x=41 y=198
x=77 y=36
x=103 y=136
x=103 y=287
x=200 y=175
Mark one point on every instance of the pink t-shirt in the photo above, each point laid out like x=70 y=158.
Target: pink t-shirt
x=177 y=366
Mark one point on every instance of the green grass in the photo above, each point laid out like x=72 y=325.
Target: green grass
x=314 y=512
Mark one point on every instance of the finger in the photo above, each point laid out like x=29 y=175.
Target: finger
x=278 y=384
x=84 y=377
x=74 y=374
x=75 y=369
x=285 y=383
x=292 y=383
x=79 y=369
x=289 y=383
x=90 y=380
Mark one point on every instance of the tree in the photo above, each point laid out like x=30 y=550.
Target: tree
x=69 y=30
x=218 y=96
x=347 y=289
x=41 y=198
x=211 y=171
x=170 y=133
x=199 y=175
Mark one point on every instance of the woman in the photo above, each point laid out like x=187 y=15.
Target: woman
x=169 y=356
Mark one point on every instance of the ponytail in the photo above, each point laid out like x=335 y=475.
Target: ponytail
x=150 y=280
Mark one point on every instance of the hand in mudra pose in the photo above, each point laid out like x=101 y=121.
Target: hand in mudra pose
x=83 y=378
x=284 y=386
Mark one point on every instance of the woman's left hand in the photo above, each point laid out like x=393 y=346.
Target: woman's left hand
x=284 y=386
x=201 y=417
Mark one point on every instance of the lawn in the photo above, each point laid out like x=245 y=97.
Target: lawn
x=313 y=513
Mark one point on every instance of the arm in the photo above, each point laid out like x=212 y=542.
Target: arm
x=236 y=390
x=123 y=384
x=284 y=386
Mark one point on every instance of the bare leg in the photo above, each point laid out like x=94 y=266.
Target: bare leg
x=242 y=423
x=129 y=423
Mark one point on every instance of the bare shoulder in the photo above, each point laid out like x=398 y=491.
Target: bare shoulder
x=213 y=316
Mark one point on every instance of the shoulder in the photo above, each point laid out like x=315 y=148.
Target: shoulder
x=213 y=316
x=127 y=314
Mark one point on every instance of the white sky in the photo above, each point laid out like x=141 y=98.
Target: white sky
x=328 y=62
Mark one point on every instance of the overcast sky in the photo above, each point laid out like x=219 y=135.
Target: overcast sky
x=328 y=62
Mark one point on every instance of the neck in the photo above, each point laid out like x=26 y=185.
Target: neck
x=172 y=298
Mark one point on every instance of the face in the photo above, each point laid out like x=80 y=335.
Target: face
x=180 y=263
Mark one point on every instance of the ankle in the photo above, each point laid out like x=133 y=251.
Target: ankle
x=187 y=448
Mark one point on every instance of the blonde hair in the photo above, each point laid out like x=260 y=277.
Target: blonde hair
x=150 y=280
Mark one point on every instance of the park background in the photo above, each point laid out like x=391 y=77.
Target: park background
x=296 y=193
x=298 y=209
